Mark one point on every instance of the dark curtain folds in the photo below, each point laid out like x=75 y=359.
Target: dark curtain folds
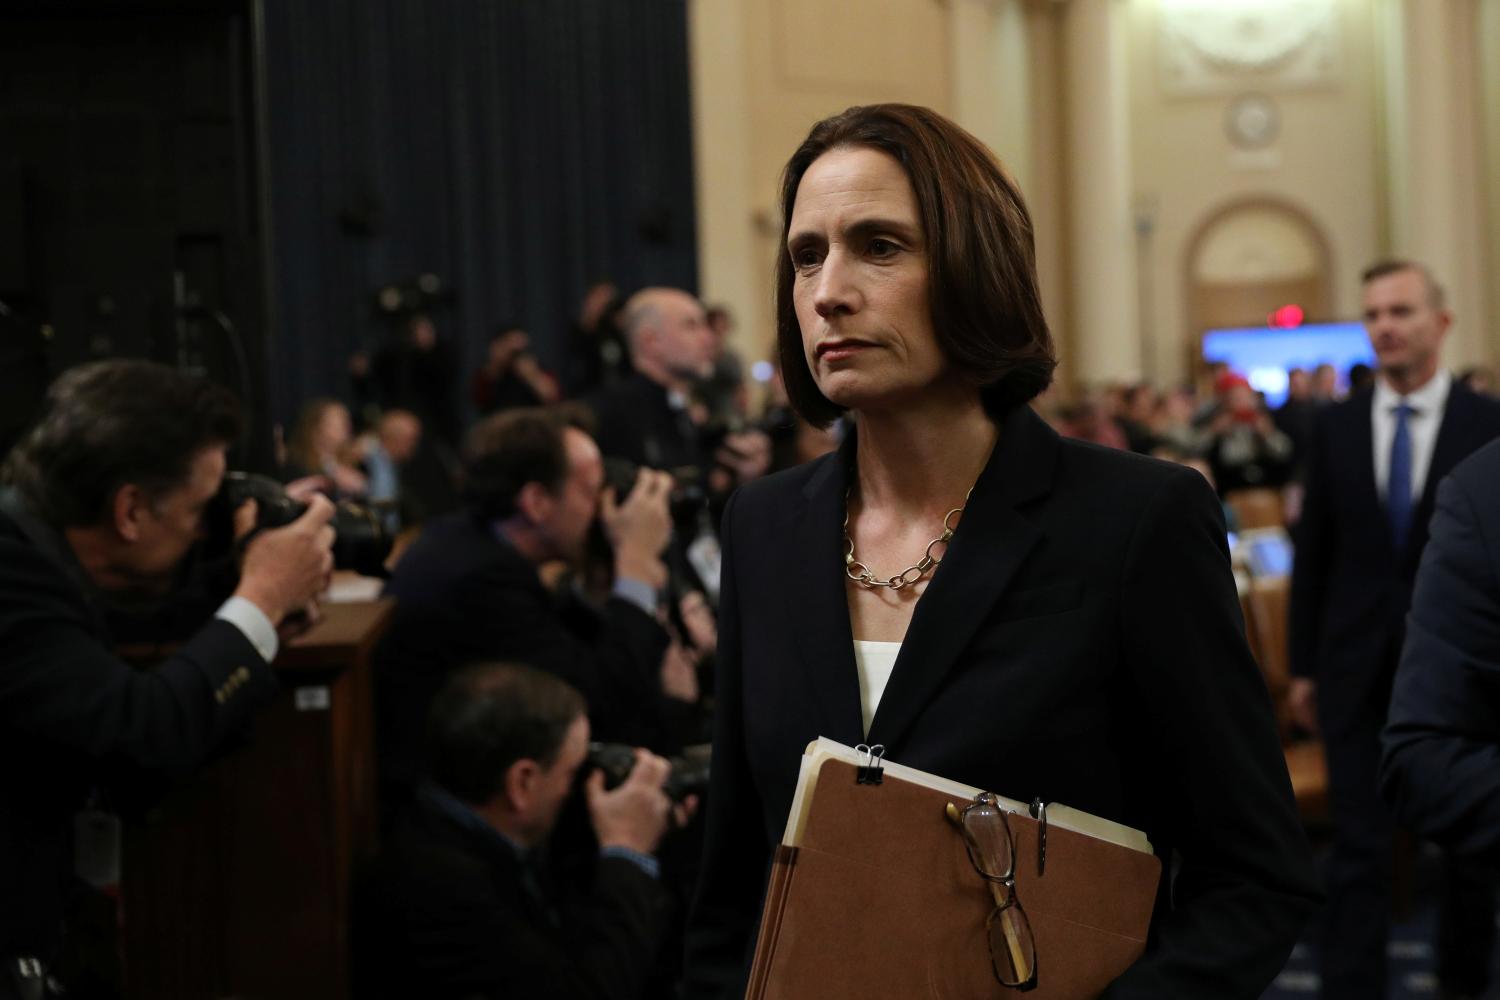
x=516 y=148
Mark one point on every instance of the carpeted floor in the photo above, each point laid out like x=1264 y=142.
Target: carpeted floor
x=1413 y=963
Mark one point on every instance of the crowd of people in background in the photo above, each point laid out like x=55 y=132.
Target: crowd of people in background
x=408 y=398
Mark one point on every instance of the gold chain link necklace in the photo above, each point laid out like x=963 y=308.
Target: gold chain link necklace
x=860 y=573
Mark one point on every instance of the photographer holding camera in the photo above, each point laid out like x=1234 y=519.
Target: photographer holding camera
x=469 y=590
x=101 y=503
x=464 y=903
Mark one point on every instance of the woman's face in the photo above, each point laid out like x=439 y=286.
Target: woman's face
x=859 y=259
x=334 y=429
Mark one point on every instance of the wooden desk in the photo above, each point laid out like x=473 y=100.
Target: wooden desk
x=238 y=883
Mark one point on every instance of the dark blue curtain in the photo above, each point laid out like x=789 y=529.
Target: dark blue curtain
x=516 y=148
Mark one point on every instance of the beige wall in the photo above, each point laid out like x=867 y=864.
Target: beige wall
x=1487 y=42
x=1324 y=164
x=764 y=72
x=1344 y=158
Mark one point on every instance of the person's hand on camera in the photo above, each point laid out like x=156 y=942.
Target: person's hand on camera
x=640 y=527
x=285 y=569
x=638 y=813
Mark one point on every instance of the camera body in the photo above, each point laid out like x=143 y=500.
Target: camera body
x=688 y=496
x=361 y=542
x=689 y=770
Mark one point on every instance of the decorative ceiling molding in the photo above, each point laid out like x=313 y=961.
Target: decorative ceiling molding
x=1214 y=47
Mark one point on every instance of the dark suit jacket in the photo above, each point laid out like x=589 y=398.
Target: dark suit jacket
x=464 y=596
x=636 y=421
x=1081 y=641
x=444 y=913
x=1442 y=744
x=1350 y=588
x=71 y=713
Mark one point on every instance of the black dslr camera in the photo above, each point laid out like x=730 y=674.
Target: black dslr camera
x=687 y=499
x=689 y=770
x=361 y=542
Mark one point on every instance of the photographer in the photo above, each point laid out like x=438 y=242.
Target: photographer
x=646 y=417
x=463 y=902
x=101 y=504
x=511 y=376
x=469 y=590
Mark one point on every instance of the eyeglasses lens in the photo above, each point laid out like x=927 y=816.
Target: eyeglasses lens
x=988 y=838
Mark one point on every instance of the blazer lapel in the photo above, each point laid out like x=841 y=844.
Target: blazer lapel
x=988 y=549
x=817 y=607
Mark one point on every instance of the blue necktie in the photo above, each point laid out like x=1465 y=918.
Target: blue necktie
x=1398 y=489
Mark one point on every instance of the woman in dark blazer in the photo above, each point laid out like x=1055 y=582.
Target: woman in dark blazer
x=1081 y=640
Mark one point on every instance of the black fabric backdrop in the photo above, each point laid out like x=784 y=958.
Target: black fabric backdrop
x=516 y=148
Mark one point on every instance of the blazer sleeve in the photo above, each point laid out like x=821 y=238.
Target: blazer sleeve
x=61 y=683
x=722 y=926
x=1245 y=884
x=1441 y=766
x=1312 y=557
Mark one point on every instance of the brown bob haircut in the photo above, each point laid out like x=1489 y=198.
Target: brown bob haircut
x=981 y=254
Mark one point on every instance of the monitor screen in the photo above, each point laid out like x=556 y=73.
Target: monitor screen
x=1263 y=354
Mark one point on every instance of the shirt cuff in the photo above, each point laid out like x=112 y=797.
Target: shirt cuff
x=637 y=592
x=251 y=620
x=644 y=862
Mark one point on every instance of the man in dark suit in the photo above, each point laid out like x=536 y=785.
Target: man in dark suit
x=102 y=502
x=1441 y=769
x=645 y=417
x=463 y=902
x=1374 y=464
x=469 y=590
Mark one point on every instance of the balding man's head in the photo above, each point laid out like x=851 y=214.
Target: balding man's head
x=669 y=337
x=400 y=432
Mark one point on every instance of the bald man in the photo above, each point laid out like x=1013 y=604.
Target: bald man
x=646 y=417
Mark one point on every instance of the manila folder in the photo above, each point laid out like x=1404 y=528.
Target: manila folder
x=873 y=896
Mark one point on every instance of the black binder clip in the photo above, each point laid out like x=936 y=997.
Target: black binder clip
x=869 y=771
x=1039 y=813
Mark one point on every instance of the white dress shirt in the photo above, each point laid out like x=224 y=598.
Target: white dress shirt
x=1428 y=403
x=875 y=661
x=251 y=620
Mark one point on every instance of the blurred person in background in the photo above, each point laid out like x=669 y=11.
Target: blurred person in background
x=321 y=447
x=1372 y=473
x=1139 y=403
x=469 y=589
x=645 y=418
x=1295 y=416
x=1479 y=379
x=1245 y=448
x=1325 y=384
x=511 y=376
x=596 y=348
x=724 y=390
x=383 y=452
x=415 y=369
x=1361 y=377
